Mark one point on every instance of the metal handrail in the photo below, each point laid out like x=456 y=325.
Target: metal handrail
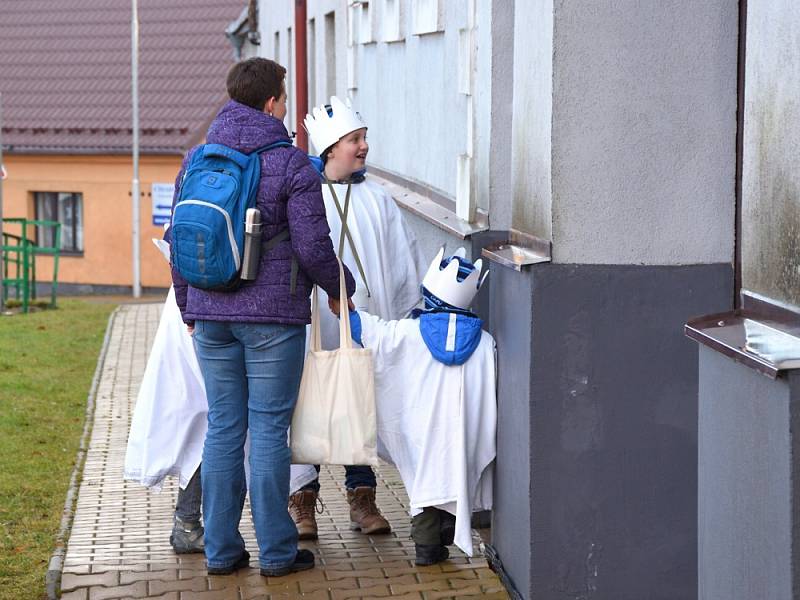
x=22 y=256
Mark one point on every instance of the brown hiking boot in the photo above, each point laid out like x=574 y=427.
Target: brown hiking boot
x=364 y=513
x=302 y=505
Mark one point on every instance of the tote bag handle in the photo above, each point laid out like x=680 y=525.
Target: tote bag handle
x=344 y=316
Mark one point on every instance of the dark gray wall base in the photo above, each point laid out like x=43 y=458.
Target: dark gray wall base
x=90 y=289
x=496 y=565
x=596 y=478
x=748 y=482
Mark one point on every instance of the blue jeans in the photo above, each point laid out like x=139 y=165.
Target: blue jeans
x=252 y=375
x=354 y=476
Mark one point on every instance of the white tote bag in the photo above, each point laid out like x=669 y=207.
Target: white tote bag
x=334 y=421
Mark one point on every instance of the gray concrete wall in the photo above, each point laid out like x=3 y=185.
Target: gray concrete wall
x=624 y=129
x=611 y=408
x=495 y=111
x=771 y=170
x=745 y=501
x=531 y=139
x=513 y=496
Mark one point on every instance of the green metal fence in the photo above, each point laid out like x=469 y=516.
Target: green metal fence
x=20 y=251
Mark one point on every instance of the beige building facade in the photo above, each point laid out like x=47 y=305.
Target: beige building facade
x=101 y=253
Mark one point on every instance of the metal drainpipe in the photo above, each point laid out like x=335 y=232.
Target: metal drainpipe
x=301 y=72
x=737 y=245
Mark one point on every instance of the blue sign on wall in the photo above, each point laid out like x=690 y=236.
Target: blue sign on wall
x=162 y=202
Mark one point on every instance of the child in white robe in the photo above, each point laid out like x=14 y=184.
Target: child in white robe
x=383 y=255
x=436 y=405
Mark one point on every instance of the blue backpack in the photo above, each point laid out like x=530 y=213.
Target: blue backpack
x=207 y=231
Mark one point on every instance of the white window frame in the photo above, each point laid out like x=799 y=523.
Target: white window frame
x=427 y=16
x=361 y=18
x=392 y=20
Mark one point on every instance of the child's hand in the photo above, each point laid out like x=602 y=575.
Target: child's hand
x=333 y=304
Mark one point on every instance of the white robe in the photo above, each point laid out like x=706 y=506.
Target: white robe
x=390 y=255
x=436 y=423
x=392 y=261
x=169 y=422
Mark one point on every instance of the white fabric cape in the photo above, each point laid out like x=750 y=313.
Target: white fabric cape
x=389 y=253
x=436 y=423
x=169 y=422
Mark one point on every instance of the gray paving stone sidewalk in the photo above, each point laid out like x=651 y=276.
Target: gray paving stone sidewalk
x=119 y=543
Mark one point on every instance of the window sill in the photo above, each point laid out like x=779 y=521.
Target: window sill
x=518 y=250
x=428 y=204
x=732 y=334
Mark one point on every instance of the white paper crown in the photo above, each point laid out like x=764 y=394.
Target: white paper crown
x=325 y=130
x=444 y=284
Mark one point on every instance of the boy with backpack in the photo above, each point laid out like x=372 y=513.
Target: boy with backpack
x=249 y=336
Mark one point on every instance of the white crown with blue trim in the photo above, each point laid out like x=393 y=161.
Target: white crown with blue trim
x=326 y=129
x=444 y=284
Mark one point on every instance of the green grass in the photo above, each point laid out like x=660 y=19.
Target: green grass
x=47 y=360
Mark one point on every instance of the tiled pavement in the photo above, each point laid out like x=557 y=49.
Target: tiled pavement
x=119 y=548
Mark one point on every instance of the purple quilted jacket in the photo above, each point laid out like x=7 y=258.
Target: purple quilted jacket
x=289 y=196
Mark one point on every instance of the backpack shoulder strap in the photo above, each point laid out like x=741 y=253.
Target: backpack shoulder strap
x=283 y=235
x=273 y=145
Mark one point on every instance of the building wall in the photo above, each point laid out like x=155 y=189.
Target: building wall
x=409 y=89
x=771 y=169
x=391 y=84
x=638 y=133
x=105 y=182
x=748 y=444
x=623 y=155
x=326 y=77
x=533 y=115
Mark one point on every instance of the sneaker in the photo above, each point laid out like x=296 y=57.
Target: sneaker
x=243 y=562
x=302 y=562
x=430 y=554
x=302 y=505
x=186 y=537
x=364 y=513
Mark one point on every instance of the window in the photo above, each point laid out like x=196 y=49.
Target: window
x=361 y=18
x=427 y=16
x=392 y=21
x=312 y=62
x=330 y=55
x=67 y=209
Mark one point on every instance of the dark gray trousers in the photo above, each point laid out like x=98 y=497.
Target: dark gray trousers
x=433 y=527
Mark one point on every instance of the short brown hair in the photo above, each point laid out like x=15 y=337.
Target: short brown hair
x=254 y=81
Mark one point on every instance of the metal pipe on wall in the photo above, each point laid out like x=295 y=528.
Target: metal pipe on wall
x=135 y=196
x=301 y=72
